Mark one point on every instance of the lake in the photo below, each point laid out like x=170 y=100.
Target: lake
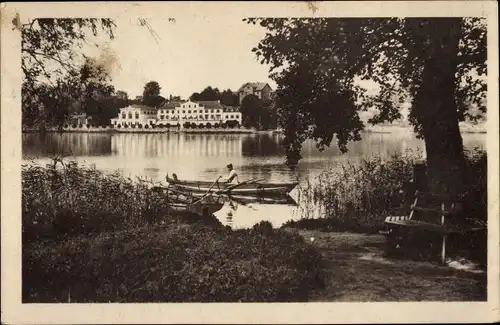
x=205 y=156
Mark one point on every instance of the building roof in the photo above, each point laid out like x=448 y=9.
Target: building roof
x=143 y=107
x=209 y=103
x=171 y=104
x=255 y=85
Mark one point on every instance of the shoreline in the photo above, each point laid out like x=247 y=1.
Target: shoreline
x=464 y=129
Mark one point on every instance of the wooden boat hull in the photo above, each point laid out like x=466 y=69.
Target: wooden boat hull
x=180 y=201
x=201 y=208
x=261 y=189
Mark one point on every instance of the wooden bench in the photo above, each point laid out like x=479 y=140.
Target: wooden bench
x=433 y=213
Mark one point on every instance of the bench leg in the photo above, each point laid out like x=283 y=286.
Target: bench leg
x=443 y=251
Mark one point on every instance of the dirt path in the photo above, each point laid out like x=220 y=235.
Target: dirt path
x=357 y=271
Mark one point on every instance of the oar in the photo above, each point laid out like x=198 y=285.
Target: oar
x=232 y=187
x=216 y=181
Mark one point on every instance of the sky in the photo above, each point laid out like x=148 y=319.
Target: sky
x=186 y=56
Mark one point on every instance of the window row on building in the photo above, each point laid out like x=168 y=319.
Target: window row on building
x=177 y=113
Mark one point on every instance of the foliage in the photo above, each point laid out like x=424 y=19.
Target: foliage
x=318 y=63
x=173 y=264
x=358 y=195
x=151 y=94
x=51 y=62
x=64 y=198
x=226 y=97
x=120 y=94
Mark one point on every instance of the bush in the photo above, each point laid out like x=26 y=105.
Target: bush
x=140 y=126
x=87 y=125
x=132 y=126
x=125 y=126
x=119 y=126
x=173 y=264
x=188 y=125
x=80 y=126
x=66 y=199
x=146 y=126
x=73 y=126
x=66 y=126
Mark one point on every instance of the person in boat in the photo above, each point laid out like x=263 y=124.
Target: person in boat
x=233 y=176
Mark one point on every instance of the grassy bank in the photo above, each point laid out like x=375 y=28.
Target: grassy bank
x=95 y=237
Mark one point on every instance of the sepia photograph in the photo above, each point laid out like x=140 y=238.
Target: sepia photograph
x=200 y=153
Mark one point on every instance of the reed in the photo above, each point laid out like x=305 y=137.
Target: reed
x=358 y=196
x=64 y=198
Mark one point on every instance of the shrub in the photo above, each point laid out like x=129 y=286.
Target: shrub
x=146 y=126
x=80 y=126
x=125 y=126
x=173 y=264
x=132 y=126
x=87 y=125
x=73 y=126
x=119 y=126
x=188 y=125
x=66 y=199
x=140 y=126
x=66 y=126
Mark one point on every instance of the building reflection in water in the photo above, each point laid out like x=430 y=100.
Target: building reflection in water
x=67 y=144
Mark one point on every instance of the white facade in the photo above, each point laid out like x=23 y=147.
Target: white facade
x=202 y=113
x=135 y=115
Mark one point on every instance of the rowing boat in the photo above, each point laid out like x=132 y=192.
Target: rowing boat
x=180 y=201
x=246 y=188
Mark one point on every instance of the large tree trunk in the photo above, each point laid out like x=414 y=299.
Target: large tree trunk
x=436 y=109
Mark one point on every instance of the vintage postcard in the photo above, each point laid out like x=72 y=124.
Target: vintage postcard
x=250 y=162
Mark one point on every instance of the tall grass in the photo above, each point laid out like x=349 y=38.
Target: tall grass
x=65 y=198
x=358 y=196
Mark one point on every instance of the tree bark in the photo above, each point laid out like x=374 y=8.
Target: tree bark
x=436 y=109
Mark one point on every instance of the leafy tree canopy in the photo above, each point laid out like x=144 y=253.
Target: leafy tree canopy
x=55 y=71
x=151 y=94
x=439 y=64
x=226 y=97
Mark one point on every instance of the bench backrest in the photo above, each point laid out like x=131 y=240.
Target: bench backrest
x=433 y=208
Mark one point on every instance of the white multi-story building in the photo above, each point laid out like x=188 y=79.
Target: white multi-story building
x=135 y=115
x=199 y=114
x=178 y=114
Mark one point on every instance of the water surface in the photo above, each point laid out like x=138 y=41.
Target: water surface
x=204 y=157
